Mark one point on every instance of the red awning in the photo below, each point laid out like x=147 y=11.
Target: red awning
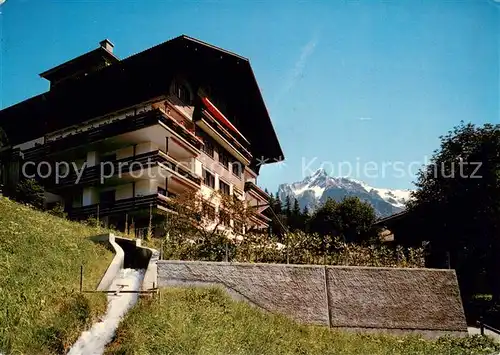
x=221 y=118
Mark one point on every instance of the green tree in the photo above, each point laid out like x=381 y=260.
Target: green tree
x=306 y=219
x=351 y=219
x=288 y=207
x=324 y=219
x=277 y=206
x=29 y=191
x=294 y=222
x=355 y=219
x=458 y=201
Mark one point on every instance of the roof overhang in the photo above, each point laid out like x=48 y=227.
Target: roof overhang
x=91 y=58
x=142 y=77
x=386 y=221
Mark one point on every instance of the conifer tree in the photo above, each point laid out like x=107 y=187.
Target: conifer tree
x=288 y=207
x=306 y=219
x=295 y=220
x=278 y=209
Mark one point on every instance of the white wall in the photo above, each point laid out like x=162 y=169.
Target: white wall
x=125 y=152
x=145 y=187
x=124 y=191
x=92 y=158
x=197 y=167
x=145 y=147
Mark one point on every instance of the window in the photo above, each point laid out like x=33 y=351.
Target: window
x=237 y=168
x=224 y=188
x=208 y=211
x=223 y=157
x=208 y=146
x=224 y=218
x=182 y=93
x=107 y=197
x=208 y=179
x=77 y=199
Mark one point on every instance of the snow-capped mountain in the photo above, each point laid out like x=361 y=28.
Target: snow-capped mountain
x=317 y=188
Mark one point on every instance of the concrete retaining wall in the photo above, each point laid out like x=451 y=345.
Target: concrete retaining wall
x=424 y=301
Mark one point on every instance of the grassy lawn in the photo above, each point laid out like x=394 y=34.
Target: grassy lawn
x=206 y=321
x=41 y=310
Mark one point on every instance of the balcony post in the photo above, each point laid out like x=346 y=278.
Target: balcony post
x=166 y=145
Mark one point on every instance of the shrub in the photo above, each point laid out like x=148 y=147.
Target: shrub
x=58 y=210
x=302 y=249
x=30 y=192
x=93 y=222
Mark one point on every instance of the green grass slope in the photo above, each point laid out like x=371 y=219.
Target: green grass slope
x=41 y=310
x=206 y=321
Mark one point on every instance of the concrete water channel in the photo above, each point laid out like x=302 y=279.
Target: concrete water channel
x=123 y=282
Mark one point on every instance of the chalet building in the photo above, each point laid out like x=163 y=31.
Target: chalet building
x=191 y=112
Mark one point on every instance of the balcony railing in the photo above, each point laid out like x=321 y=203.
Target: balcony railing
x=123 y=206
x=95 y=174
x=108 y=130
x=249 y=185
x=240 y=147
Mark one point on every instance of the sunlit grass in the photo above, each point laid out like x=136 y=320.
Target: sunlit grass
x=206 y=321
x=41 y=311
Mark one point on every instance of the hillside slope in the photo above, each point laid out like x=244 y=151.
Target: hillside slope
x=206 y=321
x=40 y=256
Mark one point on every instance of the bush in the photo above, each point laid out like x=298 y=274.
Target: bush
x=58 y=210
x=216 y=247
x=93 y=222
x=30 y=192
x=302 y=249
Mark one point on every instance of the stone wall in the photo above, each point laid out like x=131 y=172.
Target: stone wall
x=395 y=300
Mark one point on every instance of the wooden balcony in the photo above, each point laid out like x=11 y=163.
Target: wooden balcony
x=120 y=168
x=250 y=186
x=210 y=125
x=108 y=130
x=155 y=202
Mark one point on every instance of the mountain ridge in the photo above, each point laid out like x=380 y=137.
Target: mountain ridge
x=315 y=189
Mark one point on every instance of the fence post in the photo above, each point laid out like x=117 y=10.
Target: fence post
x=98 y=224
x=287 y=249
x=161 y=248
x=81 y=278
x=481 y=325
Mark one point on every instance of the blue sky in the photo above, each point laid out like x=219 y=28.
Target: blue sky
x=356 y=85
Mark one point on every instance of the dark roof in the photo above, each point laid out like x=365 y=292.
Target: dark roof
x=391 y=218
x=144 y=76
x=88 y=59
